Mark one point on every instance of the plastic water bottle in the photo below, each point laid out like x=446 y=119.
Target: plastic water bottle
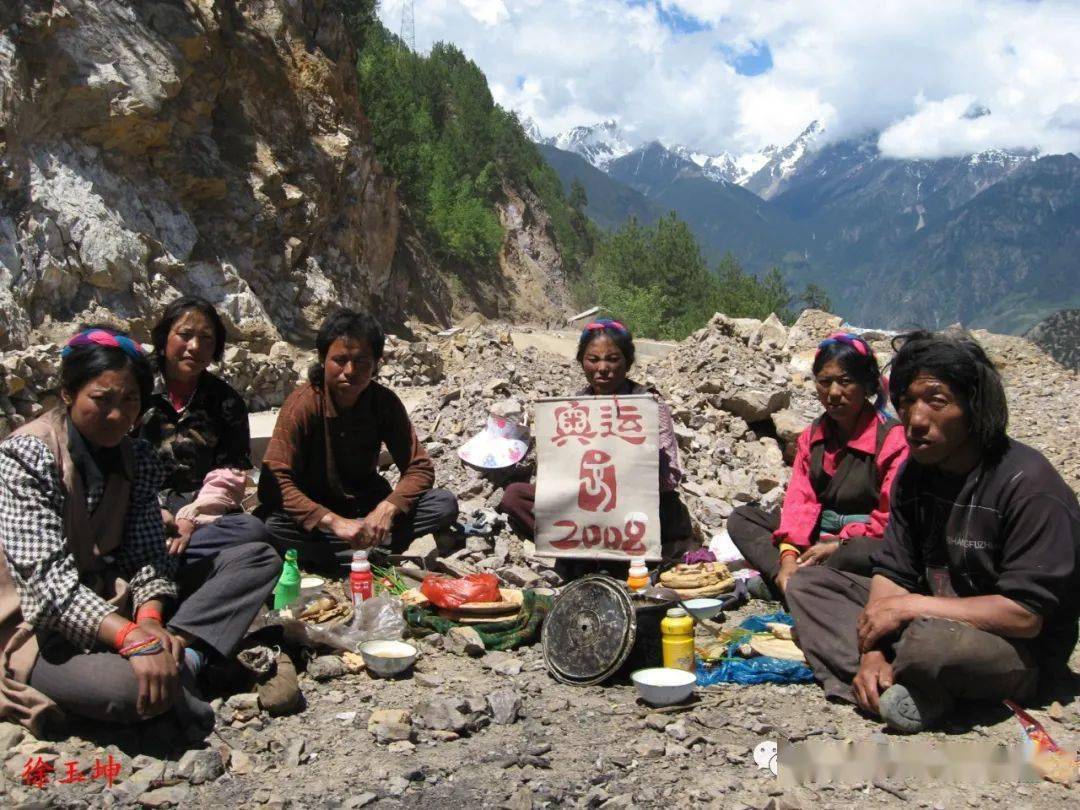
x=287 y=589
x=360 y=579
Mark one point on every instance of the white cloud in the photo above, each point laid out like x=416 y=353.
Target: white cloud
x=908 y=68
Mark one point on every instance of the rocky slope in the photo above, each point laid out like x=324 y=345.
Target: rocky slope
x=153 y=148
x=1059 y=336
x=494 y=729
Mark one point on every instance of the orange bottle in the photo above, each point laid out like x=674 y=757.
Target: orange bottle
x=638 y=578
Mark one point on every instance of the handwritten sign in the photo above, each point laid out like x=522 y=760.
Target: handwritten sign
x=596 y=484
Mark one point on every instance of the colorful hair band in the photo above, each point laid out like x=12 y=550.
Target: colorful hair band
x=848 y=339
x=103 y=337
x=604 y=324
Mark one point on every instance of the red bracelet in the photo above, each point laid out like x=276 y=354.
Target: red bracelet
x=145 y=613
x=788 y=551
x=123 y=633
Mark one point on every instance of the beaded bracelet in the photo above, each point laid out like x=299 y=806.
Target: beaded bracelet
x=123 y=633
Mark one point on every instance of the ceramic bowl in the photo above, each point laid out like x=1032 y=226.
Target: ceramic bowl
x=664 y=686
x=704 y=608
x=387 y=658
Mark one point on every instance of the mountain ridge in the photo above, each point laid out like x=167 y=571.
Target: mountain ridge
x=844 y=216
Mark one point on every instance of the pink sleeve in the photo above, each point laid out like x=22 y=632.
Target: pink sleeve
x=801 y=510
x=894 y=451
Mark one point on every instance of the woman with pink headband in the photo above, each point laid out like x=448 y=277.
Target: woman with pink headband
x=606 y=353
x=96 y=620
x=837 y=504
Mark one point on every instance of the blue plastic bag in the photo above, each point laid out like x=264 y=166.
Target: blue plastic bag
x=733 y=668
x=759 y=624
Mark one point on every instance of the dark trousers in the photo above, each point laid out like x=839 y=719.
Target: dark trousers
x=751 y=530
x=219 y=597
x=676 y=527
x=436 y=509
x=233 y=529
x=930 y=655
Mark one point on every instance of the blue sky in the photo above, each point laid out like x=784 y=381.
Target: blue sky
x=737 y=75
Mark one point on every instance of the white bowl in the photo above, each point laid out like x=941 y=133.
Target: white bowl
x=664 y=686
x=704 y=608
x=387 y=658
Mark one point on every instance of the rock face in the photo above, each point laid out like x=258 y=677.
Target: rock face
x=165 y=147
x=1059 y=336
x=160 y=147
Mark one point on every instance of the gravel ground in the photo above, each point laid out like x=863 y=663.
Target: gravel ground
x=522 y=739
x=574 y=746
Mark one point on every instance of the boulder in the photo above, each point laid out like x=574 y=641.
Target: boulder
x=753 y=405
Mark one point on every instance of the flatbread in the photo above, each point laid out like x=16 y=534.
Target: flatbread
x=777 y=648
x=723 y=586
x=473 y=619
x=511 y=602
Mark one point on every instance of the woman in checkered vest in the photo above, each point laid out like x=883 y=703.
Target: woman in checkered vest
x=96 y=619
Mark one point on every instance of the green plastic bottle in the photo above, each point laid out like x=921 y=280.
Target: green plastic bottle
x=287 y=589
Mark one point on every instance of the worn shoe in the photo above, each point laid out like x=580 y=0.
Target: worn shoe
x=758 y=589
x=910 y=711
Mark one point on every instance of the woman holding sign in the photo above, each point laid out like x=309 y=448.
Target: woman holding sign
x=837 y=503
x=606 y=354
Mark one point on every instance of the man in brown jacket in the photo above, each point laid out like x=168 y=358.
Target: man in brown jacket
x=320 y=491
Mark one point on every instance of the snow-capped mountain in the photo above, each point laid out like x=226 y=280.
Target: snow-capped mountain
x=599 y=144
x=724 y=167
x=604 y=142
x=781 y=164
x=532 y=129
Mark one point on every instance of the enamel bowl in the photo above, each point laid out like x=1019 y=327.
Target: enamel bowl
x=664 y=686
x=702 y=609
x=387 y=658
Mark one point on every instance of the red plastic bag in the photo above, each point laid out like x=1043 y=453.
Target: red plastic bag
x=445 y=592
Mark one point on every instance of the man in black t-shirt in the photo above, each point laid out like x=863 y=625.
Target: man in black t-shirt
x=976 y=587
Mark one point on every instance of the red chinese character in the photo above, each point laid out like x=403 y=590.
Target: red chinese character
x=572 y=422
x=73 y=773
x=598 y=491
x=36 y=774
x=107 y=770
x=628 y=419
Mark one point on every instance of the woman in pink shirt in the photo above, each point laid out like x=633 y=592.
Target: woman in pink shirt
x=837 y=503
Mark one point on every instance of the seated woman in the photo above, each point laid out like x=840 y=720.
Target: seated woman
x=320 y=491
x=199 y=426
x=93 y=620
x=606 y=354
x=837 y=504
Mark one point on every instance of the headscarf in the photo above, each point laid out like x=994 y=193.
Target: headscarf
x=103 y=337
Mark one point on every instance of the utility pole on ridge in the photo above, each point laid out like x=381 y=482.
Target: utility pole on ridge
x=408 y=24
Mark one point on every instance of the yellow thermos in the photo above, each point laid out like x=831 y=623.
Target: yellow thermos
x=677 y=640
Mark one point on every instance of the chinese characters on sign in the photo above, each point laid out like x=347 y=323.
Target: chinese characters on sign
x=596 y=485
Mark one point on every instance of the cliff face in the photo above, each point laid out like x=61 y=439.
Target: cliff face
x=209 y=146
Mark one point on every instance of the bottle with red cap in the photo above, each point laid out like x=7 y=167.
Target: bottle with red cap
x=360 y=579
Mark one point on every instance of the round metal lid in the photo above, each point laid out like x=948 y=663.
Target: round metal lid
x=590 y=630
